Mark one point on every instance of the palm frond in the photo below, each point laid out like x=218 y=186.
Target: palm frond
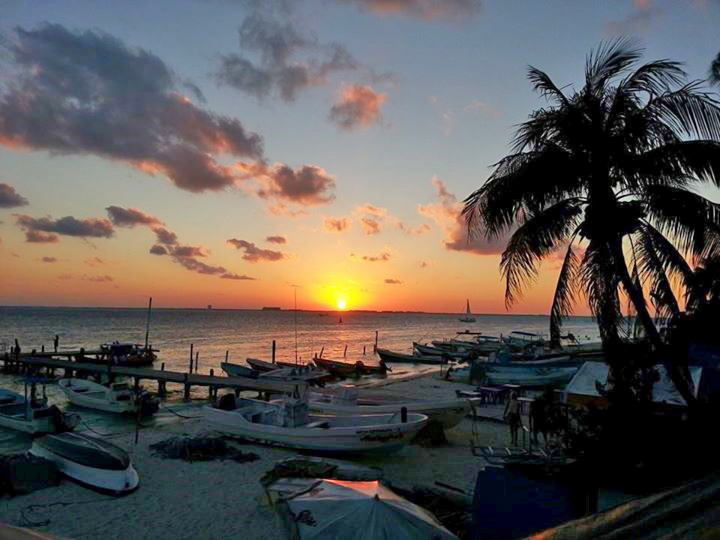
x=688 y=111
x=652 y=268
x=692 y=221
x=609 y=60
x=539 y=235
x=715 y=70
x=675 y=164
x=654 y=78
x=566 y=292
x=541 y=82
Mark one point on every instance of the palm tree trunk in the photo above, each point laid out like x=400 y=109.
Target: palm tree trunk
x=680 y=379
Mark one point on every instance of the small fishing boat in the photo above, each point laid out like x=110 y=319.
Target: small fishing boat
x=236 y=370
x=90 y=461
x=429 y=350
x=286 y=423
x=345 y=402
x=346 y=369
x=32 y=414
x=262 y=365
x=522 y=340
x=531 y=377
x=468 y=317
x=116 y=397
x=400 y=358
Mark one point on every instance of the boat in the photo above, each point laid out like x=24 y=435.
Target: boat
x=32 y=414
x=90 y=461
x=346 y=369
x=400 y=358
x=116 y=397
x=522 y=340
x=468 y=318
x=121 y=354
x=345 y=402
x=533 y=376
x=262 y=365
x=236 y=370
x=429 y=350
x=286 y=423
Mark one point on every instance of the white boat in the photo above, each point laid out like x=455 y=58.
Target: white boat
x=534 y=377
x=286 y=422
x=522 y=340
x=344 y=402
x=32 y=414
x=115 y=398
x=90 y=461
x=468 y=317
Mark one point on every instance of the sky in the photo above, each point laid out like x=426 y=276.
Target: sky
x=236 y=153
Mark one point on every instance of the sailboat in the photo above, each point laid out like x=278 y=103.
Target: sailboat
x=468 y=314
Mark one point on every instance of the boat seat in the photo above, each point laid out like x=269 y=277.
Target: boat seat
x=79 y=390
x=320 y=424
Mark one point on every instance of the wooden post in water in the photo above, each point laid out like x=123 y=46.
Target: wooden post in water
x=345 y=352
x=186 y=394
x=147 y=324
x=376 y=339
x=363 y=350
x=273 y=352
x=162 y=367
x=197 y=358
x=321 y=351
x=226 y=356
x=191 y=358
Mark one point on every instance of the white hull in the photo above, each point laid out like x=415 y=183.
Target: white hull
x=33 y=427
x=380 y=433
x=448 y=413
x=534 y=377
x=95 y=396
x=115 y=482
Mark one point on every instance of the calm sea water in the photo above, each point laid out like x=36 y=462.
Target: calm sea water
x=241 y=334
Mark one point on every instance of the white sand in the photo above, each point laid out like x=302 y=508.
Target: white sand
x=223 y=499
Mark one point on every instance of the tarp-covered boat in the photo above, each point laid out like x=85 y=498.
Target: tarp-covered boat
x=90 y=461
x=32 y=414
x=392 y=357
x=287 y=423
x=116 y=397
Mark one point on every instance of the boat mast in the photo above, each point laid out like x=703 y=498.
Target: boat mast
x=147 y=323
x=295 y=312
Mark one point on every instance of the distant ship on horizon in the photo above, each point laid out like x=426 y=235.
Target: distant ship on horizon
x=271 y=308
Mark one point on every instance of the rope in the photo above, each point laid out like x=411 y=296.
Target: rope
x=178 y=414
x=27 y=522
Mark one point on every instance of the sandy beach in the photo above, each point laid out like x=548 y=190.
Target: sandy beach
x=221 y=499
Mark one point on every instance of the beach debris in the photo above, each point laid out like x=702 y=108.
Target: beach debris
x=23 y=473
x=201 y=448
x=319 y=468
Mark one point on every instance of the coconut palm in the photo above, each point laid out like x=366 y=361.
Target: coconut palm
x=600 y=172
x=715 y=70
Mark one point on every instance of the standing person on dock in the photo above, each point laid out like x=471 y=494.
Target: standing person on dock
x=56 y=342
x=512 y=416
x=17 y=350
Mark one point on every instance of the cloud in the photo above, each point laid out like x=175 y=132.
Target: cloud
x=447 y=214
x=308 y=185
x=423 y=264
x=237 y=277
x=254 y=254
x=48 y=229
x=289 y=61
x=373 y=218
x=390 y=281
x=98 y=279
x=88 y=93
x=9 y=198
x=337 y=225
x=370 y=226
x=48 y=259
x=94 y=261
x=422 y=9
x=382 y=257
x=276 y=239
x=357 y=106
x=637 y=22
x=165 y=236
x=157 y=249
x=129 y=217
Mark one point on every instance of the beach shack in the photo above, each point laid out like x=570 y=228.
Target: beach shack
x=582 y=390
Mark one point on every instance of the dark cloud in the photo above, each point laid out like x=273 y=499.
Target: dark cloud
x=157 y=249
x=447 y=214
x=308 y=185
x=357 y=106
x=276 y=239
x=252 y=253
x=9 y=198
x=47 y=229
x=370 y=225
x=422 y=9
x=48 y=259
x=337 y=224
x=382 y=257
x=289 y=61
x=88 y=93
x=390 y=281
x=129 y=217
x=237 y=277
x=165 y=237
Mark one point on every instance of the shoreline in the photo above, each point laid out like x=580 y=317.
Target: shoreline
x=217 y=499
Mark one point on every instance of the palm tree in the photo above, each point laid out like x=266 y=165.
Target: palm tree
x=611 y=166
x=715 y=70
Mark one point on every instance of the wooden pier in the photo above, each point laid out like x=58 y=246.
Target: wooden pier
x=34 y=364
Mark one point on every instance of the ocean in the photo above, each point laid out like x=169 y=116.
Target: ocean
x=240 y=333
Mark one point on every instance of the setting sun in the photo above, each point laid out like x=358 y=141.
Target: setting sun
x=341 y=303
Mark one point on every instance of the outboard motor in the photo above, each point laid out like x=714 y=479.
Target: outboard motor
x=227 y=402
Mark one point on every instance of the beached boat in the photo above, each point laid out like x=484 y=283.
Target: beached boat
x=262 y=365
x=347 y=369
x=122 y=354
x=287 y=423
x=90 y=461
x=344 y=402
x=236 y=370
x=522 y=340
x=31 y=414
x=392 y=357
x=532 y=376
x=116 y=397
x=468 y=317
